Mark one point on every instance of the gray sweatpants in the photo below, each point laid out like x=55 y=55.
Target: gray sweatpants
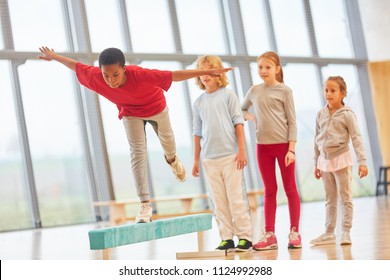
x=136 y=136
x=338 y=183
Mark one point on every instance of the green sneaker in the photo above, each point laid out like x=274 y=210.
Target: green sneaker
x=243 y=245
x=226 y=245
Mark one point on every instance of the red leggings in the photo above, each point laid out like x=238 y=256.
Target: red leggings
x=267 y=154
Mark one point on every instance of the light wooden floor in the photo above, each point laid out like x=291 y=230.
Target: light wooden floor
x=370 y=236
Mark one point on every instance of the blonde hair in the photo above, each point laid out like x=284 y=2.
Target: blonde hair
x=215 y=62
x=342 y=84
x=276 y=60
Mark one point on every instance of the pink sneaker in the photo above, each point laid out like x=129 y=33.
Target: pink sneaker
x=267 y=242
x=294 y=239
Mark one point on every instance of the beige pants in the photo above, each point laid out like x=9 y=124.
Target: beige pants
x=229 y=198
x=136 y=136
x=338 y=183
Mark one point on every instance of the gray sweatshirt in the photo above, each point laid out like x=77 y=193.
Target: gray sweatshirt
x=333 y=134
x=275 y=113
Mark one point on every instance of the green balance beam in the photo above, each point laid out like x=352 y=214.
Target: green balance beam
x=110 y=237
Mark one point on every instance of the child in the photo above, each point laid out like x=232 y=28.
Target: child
x=139 y=95
x=335 y=125
x=276 y=134
x=218 y=128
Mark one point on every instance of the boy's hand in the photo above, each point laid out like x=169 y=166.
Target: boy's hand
x=219 y=72
x=48 y=54
x=241 y=160
x=195 y=169
x=363 y=171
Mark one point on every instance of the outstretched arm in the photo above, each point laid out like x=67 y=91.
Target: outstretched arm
x=49 y=54
x=181 y=75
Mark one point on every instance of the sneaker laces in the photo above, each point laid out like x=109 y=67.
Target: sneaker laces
x=293 y=234
x=144 y=207
x=176 y=164
x=179 y=167
x=266 y=236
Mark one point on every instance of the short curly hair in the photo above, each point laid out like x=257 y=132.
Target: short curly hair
x=111 y=56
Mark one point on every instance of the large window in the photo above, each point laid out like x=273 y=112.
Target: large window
x=104 y=28
x=291 y=33
x=255 y=26
x=14 y=203
x=37 y=23
x=67 y=149
x=332 y=28
x=55 y=143
x=1 y=37
x=201 y=27
x=150 y=29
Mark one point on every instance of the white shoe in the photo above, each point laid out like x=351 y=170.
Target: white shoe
x=145 y=213
x=345 y=238
x=324 y=239
x=178 y=169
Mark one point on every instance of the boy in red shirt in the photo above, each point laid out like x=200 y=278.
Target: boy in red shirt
x=139 y=95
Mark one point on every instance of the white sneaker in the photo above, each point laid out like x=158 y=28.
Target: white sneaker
x=178 y=169
x=345 y=238
x=145 y=213
x=324 y=239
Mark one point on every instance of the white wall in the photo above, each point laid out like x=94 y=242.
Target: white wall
x=375 y=16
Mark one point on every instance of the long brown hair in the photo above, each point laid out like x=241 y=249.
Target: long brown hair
x=276 y=60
